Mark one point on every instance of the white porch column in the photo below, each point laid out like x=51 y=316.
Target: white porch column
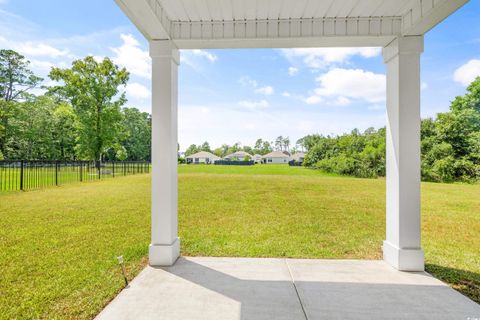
x=402 y=248
x=165 y=247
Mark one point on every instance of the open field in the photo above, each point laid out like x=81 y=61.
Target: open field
x=58 y=245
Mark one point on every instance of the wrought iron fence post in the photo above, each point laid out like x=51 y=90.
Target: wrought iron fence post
x=56 y=173
x=81 y=171
x=113 y=169
x=21 y=175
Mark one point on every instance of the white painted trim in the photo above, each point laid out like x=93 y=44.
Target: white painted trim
x=164 y=49
x=286 y=28
x=163 y=255
x=425 y=14
x=403 y=45
x=403 y=259
x=316 y=42
x=148 y=16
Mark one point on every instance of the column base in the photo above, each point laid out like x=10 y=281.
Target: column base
x=403 y=259
x=160 y=255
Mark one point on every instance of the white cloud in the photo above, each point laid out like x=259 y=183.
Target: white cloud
x=319 y=58
x=345 y=84
x=313 y=99
x=131 y=56
x=286 y=94
x=192 y=58
x=292 y=71
x=247 y=81
x=342 y=101
x=202 y=53
x=138 y=91
x=42 y=66
x=467 y=72
x=267 y=90
x=254 y=104
x=39 y=49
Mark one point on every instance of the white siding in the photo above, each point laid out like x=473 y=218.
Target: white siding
x=275 y=160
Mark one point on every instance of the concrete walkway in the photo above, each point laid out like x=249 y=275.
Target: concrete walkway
x=273 y=289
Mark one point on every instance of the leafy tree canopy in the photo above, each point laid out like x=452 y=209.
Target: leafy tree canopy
x=93 y=89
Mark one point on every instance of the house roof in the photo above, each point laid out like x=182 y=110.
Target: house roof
x=284 y=23
x=298 y=155
x=276 y=154
x=239 y=154
x=203 y=154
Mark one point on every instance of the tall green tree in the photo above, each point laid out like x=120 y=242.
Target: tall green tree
x=94 y=90
x=16 y=80
x=65 y=124
x=279 y=143
x=192 y=149
x=138 y=132
x=205 y=147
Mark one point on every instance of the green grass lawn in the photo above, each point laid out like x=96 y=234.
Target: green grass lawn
x=58 y=245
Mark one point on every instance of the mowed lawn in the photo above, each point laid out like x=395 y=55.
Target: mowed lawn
x=58 y=246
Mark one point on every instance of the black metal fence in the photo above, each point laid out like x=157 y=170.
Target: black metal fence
x=234 y=162
x=29 y=175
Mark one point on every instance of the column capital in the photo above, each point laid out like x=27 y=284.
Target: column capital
x=403 y=45
x=164 y=49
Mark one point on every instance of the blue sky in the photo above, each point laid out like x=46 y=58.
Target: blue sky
x=228 y=96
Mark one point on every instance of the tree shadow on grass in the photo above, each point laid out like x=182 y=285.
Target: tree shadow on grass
x=466 y=282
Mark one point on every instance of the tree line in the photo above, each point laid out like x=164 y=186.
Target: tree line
x=81 y=117
x=450 y=145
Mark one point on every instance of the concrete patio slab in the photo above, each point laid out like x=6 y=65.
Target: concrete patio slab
x=255 y=288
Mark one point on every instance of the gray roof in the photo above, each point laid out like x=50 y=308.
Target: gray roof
x=298 y=155
x=276 y=154
x=239 y=154
x=204 y=154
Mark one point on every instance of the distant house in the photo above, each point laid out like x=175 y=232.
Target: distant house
x=298 y=157
x=257 y=158
x=239 y=155
x=202 y=157
x=275 y=157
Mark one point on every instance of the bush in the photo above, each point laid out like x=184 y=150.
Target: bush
x=340 y=165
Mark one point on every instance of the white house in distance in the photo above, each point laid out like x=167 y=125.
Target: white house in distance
x=298 y=157
x=276 y=157
x=239 y=155
x=202 y=157
x=257 y=158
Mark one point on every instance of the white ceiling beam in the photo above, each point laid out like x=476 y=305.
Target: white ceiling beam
x=148 y=16
x=245 y=31
x=311 y=42
x=425 y=14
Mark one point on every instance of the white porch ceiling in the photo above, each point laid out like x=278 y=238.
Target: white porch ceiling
x=285 y=23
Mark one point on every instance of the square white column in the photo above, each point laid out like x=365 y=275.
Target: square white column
x=165 y=246
x=402 y=247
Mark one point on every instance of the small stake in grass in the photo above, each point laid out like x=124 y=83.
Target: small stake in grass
x=120 y=262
